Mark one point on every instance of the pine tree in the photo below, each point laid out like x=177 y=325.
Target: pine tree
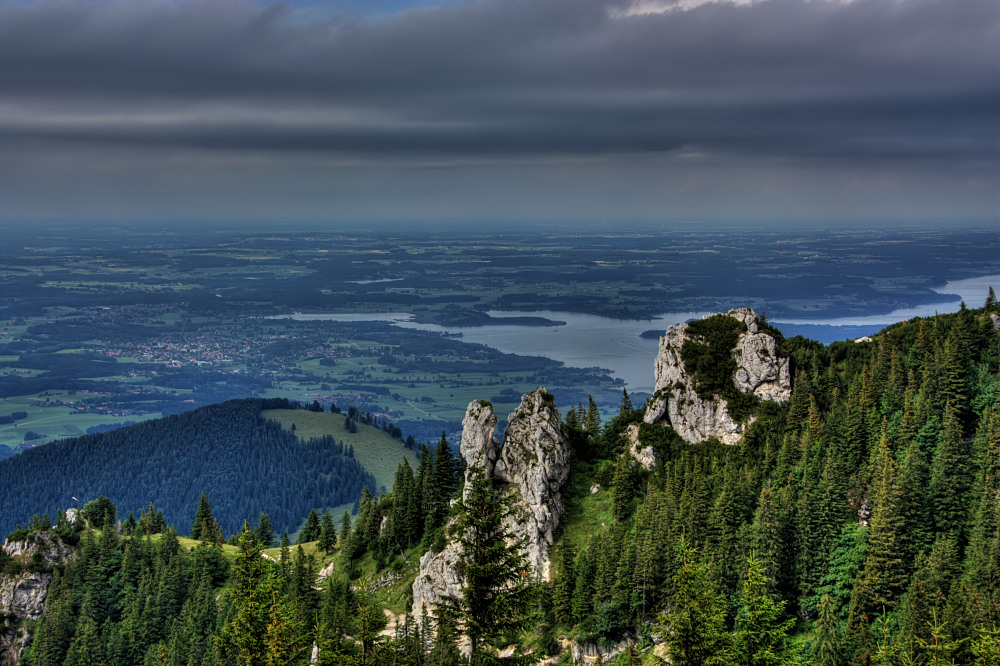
x=798 y=409
x=327 y=533
x=562 y=594
x=885 y=571
x=769 y=534
x=444 y=480
x=496 y=596
x=983 y=570
x=85 y=650
x=583 y=588
x=265 y=533
x=927 y=593
x=310 y=531
x=301 y=591
x=204 y=527
x=827 y=650
x=949 y=478
x=623 y=491
x=695 y=625
x=249 y=598
x=592 y=420
x=761 y=637
x=371 y=621
x=626 y=406
x=940 y=647
x=284 y=644
x=345 y=529
x=444 y=648
x=915 y=502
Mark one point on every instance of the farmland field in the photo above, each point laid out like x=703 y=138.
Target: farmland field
x=94 y=334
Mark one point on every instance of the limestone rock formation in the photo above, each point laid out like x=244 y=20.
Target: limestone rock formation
x=759 y=370
x=534 y=462
x=22 y=593
x=532 y=465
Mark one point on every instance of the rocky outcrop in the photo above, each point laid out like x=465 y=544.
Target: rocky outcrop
x=23 y=589
x=597 y=653
x=759 y=370
x=532 y=466
x=644 y=455
x=534 y=463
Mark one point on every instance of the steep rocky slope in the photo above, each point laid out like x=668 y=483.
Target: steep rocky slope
x=24 y=584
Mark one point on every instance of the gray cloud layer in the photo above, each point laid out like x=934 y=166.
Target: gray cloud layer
x=853 y=83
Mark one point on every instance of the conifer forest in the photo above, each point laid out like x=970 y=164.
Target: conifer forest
x=858 y=523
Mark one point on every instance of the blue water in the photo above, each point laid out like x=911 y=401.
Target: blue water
x=589 y=340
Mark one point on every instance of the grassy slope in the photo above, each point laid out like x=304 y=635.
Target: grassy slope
x=586 y=513
x=379 y=453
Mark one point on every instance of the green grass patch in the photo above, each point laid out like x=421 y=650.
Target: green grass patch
x=227 y=550
x=379 y=453
x=586 y=513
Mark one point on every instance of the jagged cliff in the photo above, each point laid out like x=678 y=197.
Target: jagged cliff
x=759 y=371
x=24 y=584
x=533 y=465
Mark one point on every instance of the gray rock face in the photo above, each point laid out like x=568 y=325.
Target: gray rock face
x=534 y=462
x=479 y=447
x=533 y=465
x=22 y=595
x=759 y=371
x=644 y=455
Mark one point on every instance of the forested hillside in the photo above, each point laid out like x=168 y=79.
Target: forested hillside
x=856 y=524
x=244 y=463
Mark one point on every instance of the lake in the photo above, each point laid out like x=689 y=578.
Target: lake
x=589 y=340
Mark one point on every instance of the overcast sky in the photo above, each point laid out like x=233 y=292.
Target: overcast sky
x=601 y=111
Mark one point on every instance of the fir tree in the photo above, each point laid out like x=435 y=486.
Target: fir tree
x=827 y=649
x=327 y=533
x=310 y=531
x=761 y=637
x=592 y=420
x=444 y=648
x=444 y=480
x=562 y=594
x=265 y=533
x=885 y=572
x=204 y=527
x=623 y=491
x=949 y=478
x=695 y=625
x=249 y=598
x=345 y=529
x=496 y=596
x=626 y=407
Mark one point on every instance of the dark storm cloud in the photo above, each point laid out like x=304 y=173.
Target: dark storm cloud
x=869 y=79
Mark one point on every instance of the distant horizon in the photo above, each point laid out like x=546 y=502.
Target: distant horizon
x=471 y=227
